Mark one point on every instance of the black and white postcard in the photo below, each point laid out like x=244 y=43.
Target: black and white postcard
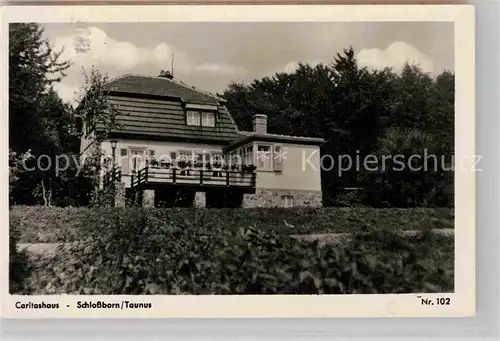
x=239 y=161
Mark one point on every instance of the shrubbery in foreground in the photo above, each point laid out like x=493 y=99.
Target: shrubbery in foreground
x=136 y=252
x=39 y=224
x=20 y=266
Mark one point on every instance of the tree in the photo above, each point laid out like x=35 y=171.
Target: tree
x=16 y=168
x=33 y=67
x=357 y=112
x=37 y=116
x=95 y=111
x=41 y=122
x=411 y=171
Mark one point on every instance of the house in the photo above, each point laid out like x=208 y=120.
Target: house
x=178 y=146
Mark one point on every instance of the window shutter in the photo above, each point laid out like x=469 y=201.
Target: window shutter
x=278 y=158
x=124 y=162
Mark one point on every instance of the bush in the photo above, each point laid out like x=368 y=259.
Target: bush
x=125 y=251
x=41 y=224
x=20 y=266
x=52 y=224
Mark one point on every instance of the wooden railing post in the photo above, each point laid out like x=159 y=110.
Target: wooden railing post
x=254 y=176
x=146 y=174
x=227 y=178
x=132 y=180
x=117 y=174
x=174 y=175
x=201 y=176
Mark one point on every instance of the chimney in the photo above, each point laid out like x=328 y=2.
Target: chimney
x=166 y=74
x=260 y=124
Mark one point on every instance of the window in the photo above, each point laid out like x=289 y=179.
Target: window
x=151 y=160
x=208 y=119
x=287 y=201
x=279 y=156
x=124 y=161
x=204 y=119
x=217 y=157
x=187 y=156
x=264 y=157
x=200 y=157
x=247 y=155
x=193 y=118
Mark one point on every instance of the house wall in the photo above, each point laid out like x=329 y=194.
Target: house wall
x=296 y=172
x=85 y=143
x=298 y=177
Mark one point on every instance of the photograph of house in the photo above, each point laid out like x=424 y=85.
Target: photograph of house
x=232 y=158
x=163 y=123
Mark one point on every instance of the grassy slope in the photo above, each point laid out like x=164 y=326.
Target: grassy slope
x=39 y=224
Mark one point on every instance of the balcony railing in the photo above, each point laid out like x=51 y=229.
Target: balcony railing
x=193 y=176
x=113 y=175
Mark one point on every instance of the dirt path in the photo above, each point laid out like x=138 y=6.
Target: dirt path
x=330 y=238
x=41 y=249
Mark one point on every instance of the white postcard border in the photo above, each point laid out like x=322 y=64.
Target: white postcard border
x=463 y=300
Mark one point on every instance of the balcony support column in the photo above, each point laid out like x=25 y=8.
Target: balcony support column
x=148 y=198
x=119 y=194
x=200 y=200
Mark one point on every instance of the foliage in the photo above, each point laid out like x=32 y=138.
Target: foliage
x=408 y=185
x=33 y=67
x=40 y=224
x=356 y=110
x=156 y=256
x=104 y=197
x=50 y=128
x=16 y=168
x=38 y=120
x=94 y=109
x=20 y=266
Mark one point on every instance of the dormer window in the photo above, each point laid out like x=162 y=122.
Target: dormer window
x=197 y=118
x=193 y=118
x=208 y=119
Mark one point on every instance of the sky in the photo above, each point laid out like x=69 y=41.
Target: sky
x=210 y=56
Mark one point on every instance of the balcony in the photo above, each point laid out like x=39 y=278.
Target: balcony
x=151 y=177
x=113 y=175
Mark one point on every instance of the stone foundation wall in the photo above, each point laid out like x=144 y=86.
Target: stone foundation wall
x=273 y=198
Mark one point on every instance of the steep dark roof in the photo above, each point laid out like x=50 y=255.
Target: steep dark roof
x=154 y=108
x=156 y=86
x=165 y=119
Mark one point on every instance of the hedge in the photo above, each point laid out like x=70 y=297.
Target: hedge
x=121 y=251
x=20 y=265
x=38 y=224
